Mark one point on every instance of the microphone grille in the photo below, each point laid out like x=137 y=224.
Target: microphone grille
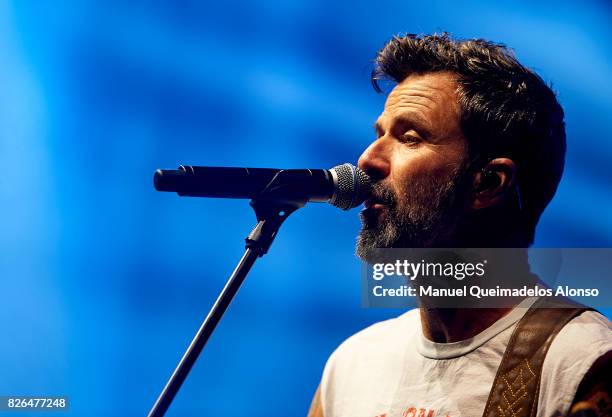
x=353 y=186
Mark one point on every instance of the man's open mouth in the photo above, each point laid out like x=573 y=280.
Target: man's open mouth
x=374 y=204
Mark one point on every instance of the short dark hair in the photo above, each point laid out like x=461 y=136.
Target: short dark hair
x=507 y=110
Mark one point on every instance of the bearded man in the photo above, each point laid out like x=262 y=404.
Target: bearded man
x=469 y=150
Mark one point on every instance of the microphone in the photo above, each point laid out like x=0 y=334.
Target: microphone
x=344 y=186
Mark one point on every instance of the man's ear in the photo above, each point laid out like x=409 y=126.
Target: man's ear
x=493 y=183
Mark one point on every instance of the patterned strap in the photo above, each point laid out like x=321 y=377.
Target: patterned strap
x=517 y=382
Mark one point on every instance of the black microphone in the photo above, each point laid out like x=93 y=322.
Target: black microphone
x=345 y=186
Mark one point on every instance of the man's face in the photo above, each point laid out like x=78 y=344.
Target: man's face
x=417 y=165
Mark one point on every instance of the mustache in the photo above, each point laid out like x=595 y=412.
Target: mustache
x=382 y=193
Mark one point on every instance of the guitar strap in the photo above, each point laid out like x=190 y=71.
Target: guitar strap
x=516 y=385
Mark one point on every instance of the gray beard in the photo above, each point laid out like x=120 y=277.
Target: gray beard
x=425 y=216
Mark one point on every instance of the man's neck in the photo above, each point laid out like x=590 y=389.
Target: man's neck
x=447 y=325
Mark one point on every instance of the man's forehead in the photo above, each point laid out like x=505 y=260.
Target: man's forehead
x=424 y=94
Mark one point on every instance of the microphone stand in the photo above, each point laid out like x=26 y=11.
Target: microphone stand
x=270 y=213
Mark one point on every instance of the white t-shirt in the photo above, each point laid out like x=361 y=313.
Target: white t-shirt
x=391 y=370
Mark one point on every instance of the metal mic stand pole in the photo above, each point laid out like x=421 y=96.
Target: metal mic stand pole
x=270 y=216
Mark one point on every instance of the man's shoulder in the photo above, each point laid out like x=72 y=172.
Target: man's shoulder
x=379 y=337
x=361 y=369
x=584 y=334
x=572 y=353
x=584 y=339
x=367 y=357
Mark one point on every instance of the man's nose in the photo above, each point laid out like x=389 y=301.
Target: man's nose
x=374 y=160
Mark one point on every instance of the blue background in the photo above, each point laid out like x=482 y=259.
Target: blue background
x=104 y=281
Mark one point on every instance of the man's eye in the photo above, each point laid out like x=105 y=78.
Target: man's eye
x=409 y=138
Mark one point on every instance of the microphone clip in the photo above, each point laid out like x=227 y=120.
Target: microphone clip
x=270 y=213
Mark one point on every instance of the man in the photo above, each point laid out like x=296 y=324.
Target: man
x=469 y=150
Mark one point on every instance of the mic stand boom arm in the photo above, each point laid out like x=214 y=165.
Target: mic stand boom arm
x=271 y=213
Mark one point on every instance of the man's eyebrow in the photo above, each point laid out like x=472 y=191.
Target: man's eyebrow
x=377 y=127
x=420 y=124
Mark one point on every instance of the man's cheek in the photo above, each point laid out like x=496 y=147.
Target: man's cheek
x=417 y=169
x=431 y=160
